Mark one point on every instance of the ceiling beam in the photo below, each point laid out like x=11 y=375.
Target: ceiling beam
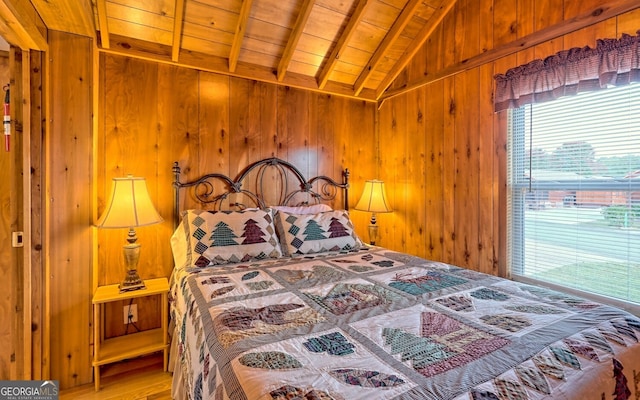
x=333 y=58
x=103 y=24
x=128 y=47
x=177 y=29
x=417 y=43
x=238 y=37
x=19 y=18
x=590 y=17
x=396 y=29
x=296 y=32
x=8 y=34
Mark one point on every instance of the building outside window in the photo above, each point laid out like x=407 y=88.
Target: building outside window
x=574 y=193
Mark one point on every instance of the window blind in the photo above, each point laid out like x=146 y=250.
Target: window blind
x=574 y=192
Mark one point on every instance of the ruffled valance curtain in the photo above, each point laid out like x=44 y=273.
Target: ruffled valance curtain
x=613 y=62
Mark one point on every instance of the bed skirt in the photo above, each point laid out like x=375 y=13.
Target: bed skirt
x=177 y=386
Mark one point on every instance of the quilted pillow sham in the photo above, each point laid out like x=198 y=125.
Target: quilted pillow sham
x=316 y=233
x=221 y=237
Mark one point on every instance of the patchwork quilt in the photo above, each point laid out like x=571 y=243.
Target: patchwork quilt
x=377 y=324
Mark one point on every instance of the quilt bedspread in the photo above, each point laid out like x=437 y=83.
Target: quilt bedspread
x=377 y=324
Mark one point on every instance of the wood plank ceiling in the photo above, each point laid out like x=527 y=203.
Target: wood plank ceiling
x=353 y=48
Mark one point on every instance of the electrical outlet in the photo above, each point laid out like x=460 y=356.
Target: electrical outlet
x=132 y=311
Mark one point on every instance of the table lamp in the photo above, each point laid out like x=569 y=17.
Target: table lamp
x=129 y=206
x=374 y=200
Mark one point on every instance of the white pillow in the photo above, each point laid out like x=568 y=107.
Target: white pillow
x=179 y=246
x=303 y=210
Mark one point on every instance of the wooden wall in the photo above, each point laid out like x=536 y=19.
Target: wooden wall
x=7 y=271
x=443 y=150
x=154 y=114
x=70 y=207
x=151 y=115
x=21 y=275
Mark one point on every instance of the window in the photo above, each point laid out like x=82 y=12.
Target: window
x=574 y=193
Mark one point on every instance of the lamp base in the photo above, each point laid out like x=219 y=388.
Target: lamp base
x=373 y=230
x=131 y=281
x=128 y=286
x=131 y=250
x=373 y=234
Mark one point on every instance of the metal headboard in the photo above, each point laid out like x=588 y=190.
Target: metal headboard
x=205 y=193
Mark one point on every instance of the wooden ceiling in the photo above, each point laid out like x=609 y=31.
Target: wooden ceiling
x=352 y=48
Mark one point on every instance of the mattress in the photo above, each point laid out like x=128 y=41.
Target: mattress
x=371 y=323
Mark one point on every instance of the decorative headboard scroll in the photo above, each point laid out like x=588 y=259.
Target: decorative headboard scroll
x=282 y=173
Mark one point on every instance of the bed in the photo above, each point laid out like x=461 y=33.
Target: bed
x=288 y=303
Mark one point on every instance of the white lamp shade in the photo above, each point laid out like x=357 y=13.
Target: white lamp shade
x=374 y=198
x=129 y=205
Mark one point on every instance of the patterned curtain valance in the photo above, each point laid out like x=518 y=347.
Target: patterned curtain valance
x=613 y=62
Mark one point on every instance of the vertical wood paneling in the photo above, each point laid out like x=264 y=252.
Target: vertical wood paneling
x=487 y=259
x=269 y=110
x=17 y=201
x=356 y=126
x=499 y=183
x=252 y=121
x=245 y=111
x=485 y=29
x=434 y=135
x=155 y=114
x=212 y=148
x=449 y=166
x=465 y=144
x=416 y=161
x=22 y=100
x=293 y=126
x=589 y=35
x=384 y=173
x=415 y=174
x=178 y=139
x=130 y=135
x=174 y=119
x=210 y=122
x=505 y=22
x=449 y=144
x=37 y=113
x=465 y=148
x=325 y=134
x=392 y=225
x=548 y=13
x=71 y=205
x=434 y=142
x=526 y=25
x=467 y=38
x=8 y=333
x=465 y=153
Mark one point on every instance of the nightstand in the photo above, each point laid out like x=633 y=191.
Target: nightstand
x=120 y=348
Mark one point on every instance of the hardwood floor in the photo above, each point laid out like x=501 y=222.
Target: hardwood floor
x=134 y=381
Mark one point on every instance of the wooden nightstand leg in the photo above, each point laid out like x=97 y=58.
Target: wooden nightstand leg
x=165 y=323
x=97 y=336
x=96 y=376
